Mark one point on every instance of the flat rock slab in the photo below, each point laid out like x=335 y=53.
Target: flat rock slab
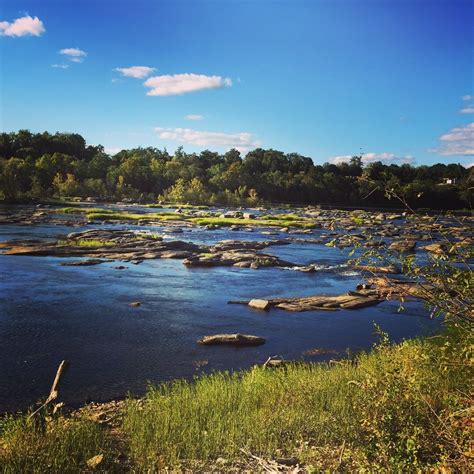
x=232 y=339
x=373 y=269
x=83 y=263
x=259 y=304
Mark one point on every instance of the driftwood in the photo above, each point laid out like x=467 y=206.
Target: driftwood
x=233 y=339
x=53 y=393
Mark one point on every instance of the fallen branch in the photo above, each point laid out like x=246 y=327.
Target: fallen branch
x=53 y=393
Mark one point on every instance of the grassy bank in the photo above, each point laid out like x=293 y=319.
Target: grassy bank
x=399 y=408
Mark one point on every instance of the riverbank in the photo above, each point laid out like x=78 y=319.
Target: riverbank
x=403 y=407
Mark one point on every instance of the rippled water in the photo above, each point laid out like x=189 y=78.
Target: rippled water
x=50 y=312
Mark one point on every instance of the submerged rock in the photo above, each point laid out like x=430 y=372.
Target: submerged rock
x=232 y=339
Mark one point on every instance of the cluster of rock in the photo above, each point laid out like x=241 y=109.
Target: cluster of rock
x=376 y=290
x=128 y=245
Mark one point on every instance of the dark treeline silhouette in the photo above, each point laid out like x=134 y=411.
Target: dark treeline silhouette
x=43 y=165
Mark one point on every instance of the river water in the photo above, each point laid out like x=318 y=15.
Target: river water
x=50 y=312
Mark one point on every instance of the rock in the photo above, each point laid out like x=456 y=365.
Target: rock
x=176 y=254
x=135 y=304
x=403 y=245
x=438 y=249
x=248 y=215
x=232 y=339
x=120 y=267
x=307 y=269
x=244 y=264
x=318 y=351
x=274 y=363
x=259 y=304
x=232 y=215
x=96 y=460
x=360 y=302
x=83 y=263
x=373 y=269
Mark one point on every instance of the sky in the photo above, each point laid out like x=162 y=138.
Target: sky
x=392 y=79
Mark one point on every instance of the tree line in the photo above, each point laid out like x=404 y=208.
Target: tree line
x=36 y=166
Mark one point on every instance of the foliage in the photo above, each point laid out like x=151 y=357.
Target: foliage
x=39 y=166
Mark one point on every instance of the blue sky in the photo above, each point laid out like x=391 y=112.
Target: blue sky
x=326 y=79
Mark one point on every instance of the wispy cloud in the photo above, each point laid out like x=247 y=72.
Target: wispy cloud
x=385 y=157
x=138 y=72
x=24 y=26
x=467 y=110
x=458 y=141
x=467 y=97
x=75 y=55
x=178 y=84
x=243 y=141
x=194 y=117
x=60 y=66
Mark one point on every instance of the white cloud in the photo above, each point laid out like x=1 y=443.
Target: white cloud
x=458 y=141
x=60 y=66
x=24 y=26
x=194 y=117
x=387 y=158
x=138 y=72
x=468 y=165
x=243 y=141
x=467 y=97
x=468 y=110
x=113 y=150
x=75 y=55
x=178 y=84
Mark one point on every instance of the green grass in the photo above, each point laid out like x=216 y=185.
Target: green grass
x=385 y=410
x=281 y=220
x=222 y=221
x=93 y=243
x=54 y=446
x=129 y=216
x=401 y=408
x=83 y=210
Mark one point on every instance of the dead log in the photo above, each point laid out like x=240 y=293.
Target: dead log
x=53 y=393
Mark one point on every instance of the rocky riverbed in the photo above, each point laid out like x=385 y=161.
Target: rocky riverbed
x=125 y=296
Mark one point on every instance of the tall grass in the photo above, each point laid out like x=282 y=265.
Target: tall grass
x=385 y=412
x=54 y=446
